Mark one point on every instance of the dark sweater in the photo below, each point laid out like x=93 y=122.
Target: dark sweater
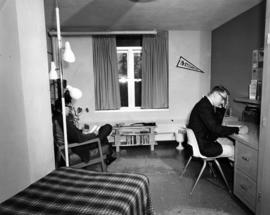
x=206 y=122
x=76 y=135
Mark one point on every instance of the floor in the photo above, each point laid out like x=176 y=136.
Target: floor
x=170 y=193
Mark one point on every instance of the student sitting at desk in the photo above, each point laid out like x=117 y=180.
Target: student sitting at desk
x=206 y=122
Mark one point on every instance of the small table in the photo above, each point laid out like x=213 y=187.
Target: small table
x=134 y=135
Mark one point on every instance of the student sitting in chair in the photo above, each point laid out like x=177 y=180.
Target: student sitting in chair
x=76 y=135
x=206 y=123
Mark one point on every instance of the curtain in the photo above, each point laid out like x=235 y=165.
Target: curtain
x=155 y=71
x=107 y=93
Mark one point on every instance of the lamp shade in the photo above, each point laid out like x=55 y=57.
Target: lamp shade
x=75 y=93
x=53 y=73
x=68 y=55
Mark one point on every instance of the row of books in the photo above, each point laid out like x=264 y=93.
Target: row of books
x=255 y=85
x=136 y=140
x=134 y=132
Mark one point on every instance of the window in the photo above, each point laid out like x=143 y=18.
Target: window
x=120 y=67
x=130 y=76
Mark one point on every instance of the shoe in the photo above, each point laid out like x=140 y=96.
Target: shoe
x=110 y=159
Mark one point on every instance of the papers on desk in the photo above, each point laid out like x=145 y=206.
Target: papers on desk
x=233 y=124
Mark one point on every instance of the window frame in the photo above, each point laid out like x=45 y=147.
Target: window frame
x=130 y=51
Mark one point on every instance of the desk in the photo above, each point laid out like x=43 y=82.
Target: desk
x=246 y=165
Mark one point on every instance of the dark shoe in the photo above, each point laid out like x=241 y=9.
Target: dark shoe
x=104 y=131
x=110 y=159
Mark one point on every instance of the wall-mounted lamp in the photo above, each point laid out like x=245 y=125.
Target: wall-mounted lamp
x=68 y=55
x=74 y=92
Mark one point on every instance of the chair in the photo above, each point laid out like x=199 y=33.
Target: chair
x=97 y=155
x=192 y=141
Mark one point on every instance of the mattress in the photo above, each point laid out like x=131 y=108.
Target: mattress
x=77 y=191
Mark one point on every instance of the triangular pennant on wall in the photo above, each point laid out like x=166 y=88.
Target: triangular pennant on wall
x=185 y=64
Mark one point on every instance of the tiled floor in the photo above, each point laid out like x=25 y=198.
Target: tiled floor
x=170 y=193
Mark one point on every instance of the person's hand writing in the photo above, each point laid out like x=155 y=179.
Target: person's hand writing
x=243 y=129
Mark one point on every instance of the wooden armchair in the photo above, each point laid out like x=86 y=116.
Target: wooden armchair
x=97 y=154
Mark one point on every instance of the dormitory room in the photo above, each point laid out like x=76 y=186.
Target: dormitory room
x=135 y=107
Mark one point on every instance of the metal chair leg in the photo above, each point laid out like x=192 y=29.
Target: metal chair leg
x=223 y=176
x=212 y=171
x=185 y=168
x=199 y=176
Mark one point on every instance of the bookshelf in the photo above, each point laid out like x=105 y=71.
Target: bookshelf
x=134 y=135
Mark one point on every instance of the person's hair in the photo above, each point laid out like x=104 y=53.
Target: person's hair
x=58 y=104
x=68 y=98
x=220 y=88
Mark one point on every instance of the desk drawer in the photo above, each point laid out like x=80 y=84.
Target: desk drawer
x=246 y=159
x=245 y=189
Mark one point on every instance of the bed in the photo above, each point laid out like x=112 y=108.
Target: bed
x=77 y=191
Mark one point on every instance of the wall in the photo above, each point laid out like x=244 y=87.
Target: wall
x=263 y=185
x=185 y=86
x=26 y=133
x=232 y=45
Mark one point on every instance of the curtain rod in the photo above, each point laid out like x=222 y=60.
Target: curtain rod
x=89 y=33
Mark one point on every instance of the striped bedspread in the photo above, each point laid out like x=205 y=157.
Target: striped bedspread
x=76 y=191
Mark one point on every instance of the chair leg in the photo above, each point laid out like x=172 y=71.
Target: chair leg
x=212 y=171
x=103 y=166
x=223 y=176
x=185 y=168
x=199 y=176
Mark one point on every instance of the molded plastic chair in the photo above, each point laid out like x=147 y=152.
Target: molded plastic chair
x=192 y=141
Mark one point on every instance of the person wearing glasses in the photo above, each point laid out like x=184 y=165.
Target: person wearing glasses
x=206 y=122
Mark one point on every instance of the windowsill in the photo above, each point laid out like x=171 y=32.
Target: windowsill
x=122 y=110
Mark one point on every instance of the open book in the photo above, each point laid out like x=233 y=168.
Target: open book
x=95 y=129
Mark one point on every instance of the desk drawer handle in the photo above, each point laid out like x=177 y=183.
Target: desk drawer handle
x=245 y=158
x=243 y=187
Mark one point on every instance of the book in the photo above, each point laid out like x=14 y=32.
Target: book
x=95 y=129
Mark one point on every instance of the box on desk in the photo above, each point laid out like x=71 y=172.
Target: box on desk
x=256 y=74
x=257 y=65
x=257 y=55
x=255 y=89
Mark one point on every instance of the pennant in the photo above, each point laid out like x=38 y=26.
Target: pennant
x=185 y=64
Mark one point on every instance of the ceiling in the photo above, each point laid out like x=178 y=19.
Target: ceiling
x=2 y=3
x=116 y=15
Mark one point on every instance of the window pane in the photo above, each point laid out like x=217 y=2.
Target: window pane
x=138 y=65
x=124 y=93
x=138 y=93
x=122 y=65
x=122 y=74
